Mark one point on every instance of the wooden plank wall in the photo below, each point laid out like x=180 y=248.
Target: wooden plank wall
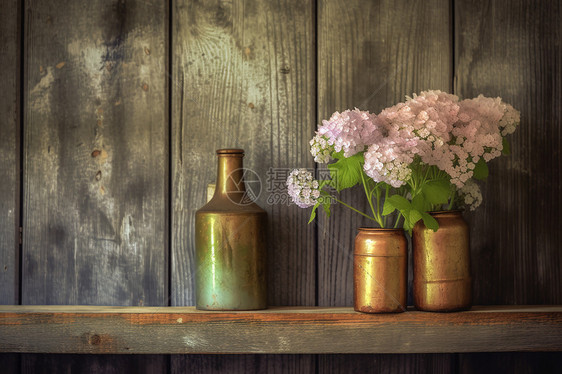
x=95 y=154
x=381 y=51
x=512 y=49
x=124 y=103
x=245 y=72
x=9 y=161
x=9 y=151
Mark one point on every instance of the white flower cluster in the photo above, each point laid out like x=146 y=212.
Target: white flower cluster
x=471 y=194
x=303 y=188
x=320 y=149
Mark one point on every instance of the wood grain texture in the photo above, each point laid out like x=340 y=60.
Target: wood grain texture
x=227 y=364
x=66 y=329
x=270 y=313
x=107 y=364
x=9 y=150
x=370 y=55
x=243 y=78
x=10 y=41
x=381 y=52
x=512 y=49
x=95 y=153
x=387 y=363
x=95 y=161
x=10 y=363
x=506 y=362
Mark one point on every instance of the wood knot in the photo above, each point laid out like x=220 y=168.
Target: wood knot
x=94 y=339
x=145 y=87
x=285 y=70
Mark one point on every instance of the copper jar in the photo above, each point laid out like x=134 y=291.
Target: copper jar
x=442 y=281
x=380 y=270
x=231 y=243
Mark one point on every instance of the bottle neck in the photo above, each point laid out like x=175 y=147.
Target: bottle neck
x=230 y=175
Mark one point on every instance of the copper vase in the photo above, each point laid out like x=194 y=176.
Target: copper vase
x=231 y=243
x=442 y=281
x=380 y=270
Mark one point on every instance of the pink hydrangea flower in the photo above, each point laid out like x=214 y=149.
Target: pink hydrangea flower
x=478 y=134
x=442 y=131
x=420 y=126
x=350 y=131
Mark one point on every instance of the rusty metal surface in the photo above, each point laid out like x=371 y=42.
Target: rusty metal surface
x=442 y=280
x=380 y=269
x=231 y=243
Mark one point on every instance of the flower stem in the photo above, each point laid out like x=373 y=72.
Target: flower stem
x=452 y=200
x=397 y=220
x=368 y=195
x=386 y=188
x=357 y=211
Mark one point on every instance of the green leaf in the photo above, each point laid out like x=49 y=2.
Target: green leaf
x=313 y=213
x=415 y=216
x=408 y=225
x=399 y=202
x=388 y=207
x=506 y=147
x=429 y=221
x=326 y=205
x=419 y=203
x=436 y=191
x=481 y=169
x=346 y=172
x=337 y=155
x=324 y=183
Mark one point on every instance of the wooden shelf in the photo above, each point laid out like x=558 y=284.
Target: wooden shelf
x=95 y=329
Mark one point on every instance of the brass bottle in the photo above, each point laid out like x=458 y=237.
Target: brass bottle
x=442 y=281
x=380 y=271
x=231 y=243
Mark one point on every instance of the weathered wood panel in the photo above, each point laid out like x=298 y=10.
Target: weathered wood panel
x=250 y=364
x=370 y=55
x=243 y=76
x=95 y=158
x=387 y=363
x=95 y=153
x=106 y=364
x=70 y=329
x=381 y=52
x=10 y=362
x=10 y=41
x=512 y=49
x=9 y=150
x=506 y=362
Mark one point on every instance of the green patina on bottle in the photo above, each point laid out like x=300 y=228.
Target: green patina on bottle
x=231 y=242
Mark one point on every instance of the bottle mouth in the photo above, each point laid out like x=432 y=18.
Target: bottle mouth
x=230 y=151
x=445 y=212
x=379 y=229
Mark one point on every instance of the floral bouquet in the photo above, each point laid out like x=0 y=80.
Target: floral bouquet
x=422 y=155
